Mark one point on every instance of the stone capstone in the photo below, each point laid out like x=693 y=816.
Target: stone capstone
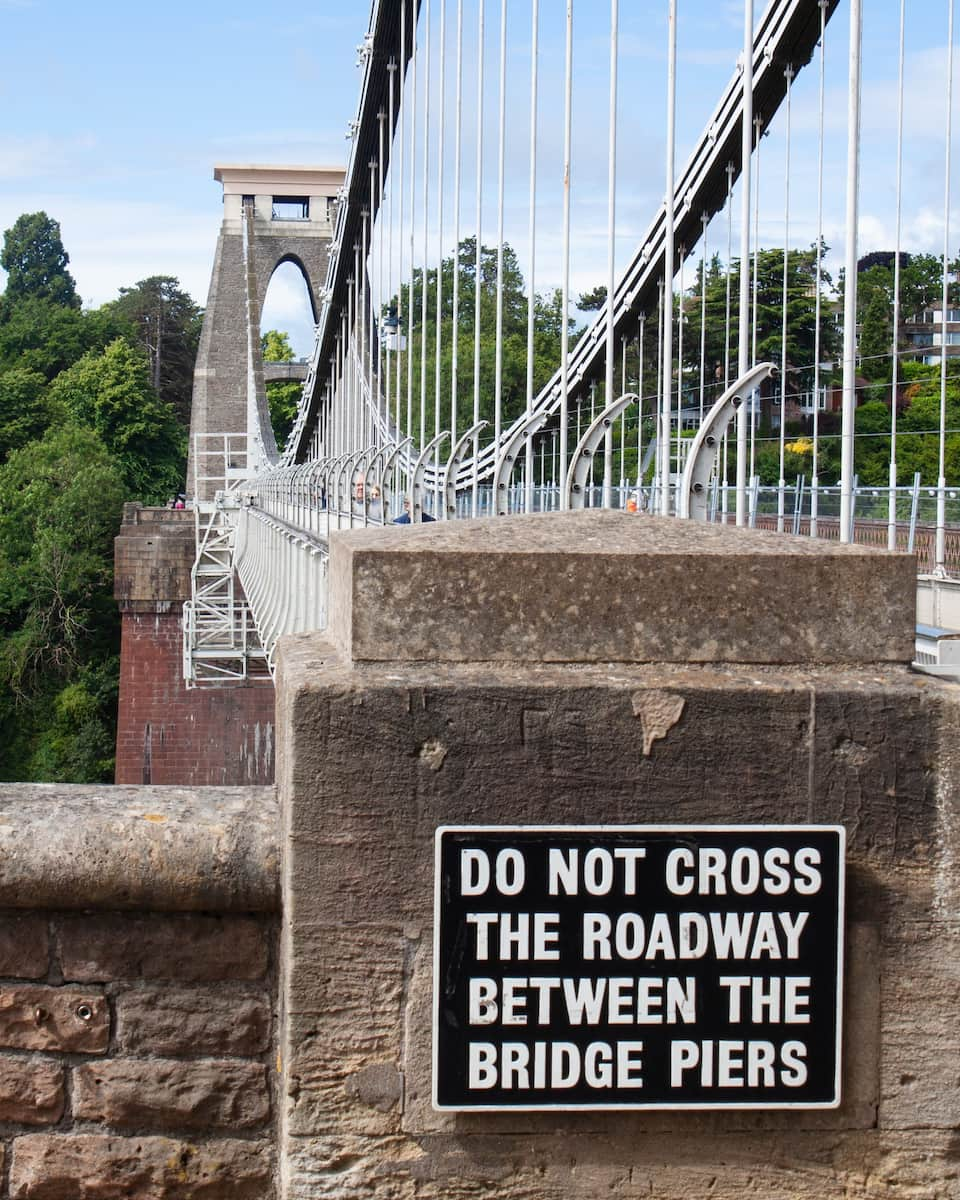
x=602 y=586
x=171 y=849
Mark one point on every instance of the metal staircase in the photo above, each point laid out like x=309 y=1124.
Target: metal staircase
x=220 y=641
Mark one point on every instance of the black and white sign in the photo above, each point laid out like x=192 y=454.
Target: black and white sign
x=638 y=967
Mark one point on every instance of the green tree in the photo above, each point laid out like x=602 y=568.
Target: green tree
x=60 y=505
x=422 y=340
x=24 y=412
x=40 y=335
x=36 y=262
x=801 y=325
x=166 y=326
x=112 y=394
x=593 y=300
x=283 y=396
x=876 y=332
x=921 y=286
x=918 y=441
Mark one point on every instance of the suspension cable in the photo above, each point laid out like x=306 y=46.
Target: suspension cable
x=475 y=491
x=814 y=476
x=565 y=286
x=609 y=361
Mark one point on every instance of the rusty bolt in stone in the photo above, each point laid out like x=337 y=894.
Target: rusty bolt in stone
x=40 y=1015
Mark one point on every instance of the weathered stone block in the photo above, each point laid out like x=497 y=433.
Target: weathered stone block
x=373 y=760
x=188 y=949
x=24 y=946
x=94 y=1167
x=76 y=1020
x=156 y=849
x=921 y=998
x=173 y=1021
x=602 y=586
x=202 y=1094
x=687 y=1165
x=559 y=744
x=31 y=1090
x=342 y=1036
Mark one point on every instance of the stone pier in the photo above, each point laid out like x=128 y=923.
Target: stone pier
x=607 y=669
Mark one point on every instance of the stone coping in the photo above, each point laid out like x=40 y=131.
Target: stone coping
x=156 y=848
x=603 y=586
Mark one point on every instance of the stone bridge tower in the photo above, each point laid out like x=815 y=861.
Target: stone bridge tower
x=271 y=215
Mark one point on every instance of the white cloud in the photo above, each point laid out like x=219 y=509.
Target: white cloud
x=27 y=158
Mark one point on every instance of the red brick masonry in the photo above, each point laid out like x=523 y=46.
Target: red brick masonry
x=165 y=733
x=135 y=1056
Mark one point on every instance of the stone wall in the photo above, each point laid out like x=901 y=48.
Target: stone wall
x=167 y=734
x=137 y=993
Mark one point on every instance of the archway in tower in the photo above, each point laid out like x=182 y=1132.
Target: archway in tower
x=286 y=336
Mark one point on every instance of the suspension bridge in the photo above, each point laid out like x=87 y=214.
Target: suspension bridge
x=413 y=408
x=517 y=669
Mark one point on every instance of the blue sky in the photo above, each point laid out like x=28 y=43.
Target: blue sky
x=113 y=115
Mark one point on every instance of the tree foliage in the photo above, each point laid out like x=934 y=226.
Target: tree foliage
x=166 y=326
x=283 y=396
x=421 y=338
x=36 y=262
x=112 y=394
x=82 y=428
x=722 y=339
x=60 y=504
x=41 y=335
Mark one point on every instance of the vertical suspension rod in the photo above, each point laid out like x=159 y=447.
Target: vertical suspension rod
x=668 y=249
x=781 y=481
x=565 y=285
x=532 y=237
x=743 y=336
x=425 y=268
x=940 y=565
x=457 y=184
x=501 y=184
x=610 y=362
x=850 y=277
x=895 y=357
x=477 y=265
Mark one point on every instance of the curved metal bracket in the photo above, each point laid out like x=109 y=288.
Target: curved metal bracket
x=416 y=482
x=388 y=468
x=575 y=485
x=337 y=467
x=508 y=456
x=692 y=501
x=348 y=469
x=393 y=455
x=360 y=463
x=452 y=469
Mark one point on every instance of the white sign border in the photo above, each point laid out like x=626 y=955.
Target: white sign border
x=639 y=1107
